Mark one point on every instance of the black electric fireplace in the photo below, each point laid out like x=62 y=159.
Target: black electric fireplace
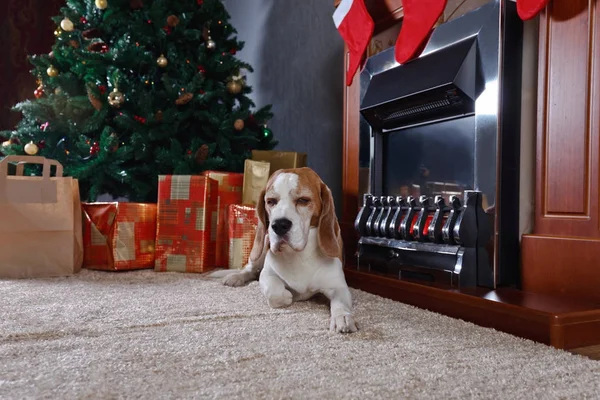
x=443 y=203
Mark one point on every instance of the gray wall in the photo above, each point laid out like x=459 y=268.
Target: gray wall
x=297 y=57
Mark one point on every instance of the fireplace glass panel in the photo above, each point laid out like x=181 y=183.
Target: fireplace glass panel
x=432 y=159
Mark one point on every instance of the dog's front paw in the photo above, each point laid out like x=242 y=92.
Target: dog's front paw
x=235 y=280
x=343 y=323
x=280 y=299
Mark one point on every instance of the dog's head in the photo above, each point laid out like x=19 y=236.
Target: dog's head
x=294 y=201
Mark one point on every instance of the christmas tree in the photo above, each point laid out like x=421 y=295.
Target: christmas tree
x=137 y=88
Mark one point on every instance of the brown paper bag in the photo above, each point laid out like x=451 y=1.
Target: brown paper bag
x=40 y=221
x=256 y=176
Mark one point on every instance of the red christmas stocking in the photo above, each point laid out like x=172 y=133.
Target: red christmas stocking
x=419 y=18
x=356 y=28
x=527 y=9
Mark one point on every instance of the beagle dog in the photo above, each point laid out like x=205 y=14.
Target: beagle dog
x=298 y=248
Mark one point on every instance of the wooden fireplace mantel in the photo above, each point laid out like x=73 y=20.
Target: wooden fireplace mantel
x=559 y=303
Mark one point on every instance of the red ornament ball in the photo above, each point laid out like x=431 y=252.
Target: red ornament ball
x=201 y=69
x=102 y=89
x=199 y=2
x=42 y=144
x=167 y=29
x=201 y=91
x=83 y=20
x=104 y=48
x=233 y=51
x=94 y=149
x=39 y=92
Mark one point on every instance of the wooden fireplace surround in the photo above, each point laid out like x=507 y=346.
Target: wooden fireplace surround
x=559 y=300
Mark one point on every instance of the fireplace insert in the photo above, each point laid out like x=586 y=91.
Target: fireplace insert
x=443 y=203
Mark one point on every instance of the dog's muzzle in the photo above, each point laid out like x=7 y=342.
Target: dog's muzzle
x=281 y=226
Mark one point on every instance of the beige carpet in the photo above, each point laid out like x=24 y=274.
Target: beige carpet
x=148 y=335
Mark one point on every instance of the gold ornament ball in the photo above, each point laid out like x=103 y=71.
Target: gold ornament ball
x=31 y=148
x=101 y=4
x=210 y=44
x=234 y=87
x=238 y=124
x=162 y=61
x=116 y=98
x=51 y=71
x=66 y=25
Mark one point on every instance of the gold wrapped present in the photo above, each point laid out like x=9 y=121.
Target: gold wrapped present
x=280 y=159
x=256 y=176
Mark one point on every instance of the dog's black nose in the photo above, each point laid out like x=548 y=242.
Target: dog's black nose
x=281 y=226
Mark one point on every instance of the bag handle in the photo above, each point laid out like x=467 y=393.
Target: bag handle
x=47 y=163
x=48 y=190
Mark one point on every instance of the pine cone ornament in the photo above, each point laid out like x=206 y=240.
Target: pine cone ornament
x=201 y=154
x=184 y=99
x=96 y=102
x=172 y=21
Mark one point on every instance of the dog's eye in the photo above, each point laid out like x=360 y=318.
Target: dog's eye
x=271 y=202
x=302 y=201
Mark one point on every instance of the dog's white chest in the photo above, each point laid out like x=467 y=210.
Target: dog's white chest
x=306 y=271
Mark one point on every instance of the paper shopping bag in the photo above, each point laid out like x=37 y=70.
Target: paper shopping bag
x=40 y=221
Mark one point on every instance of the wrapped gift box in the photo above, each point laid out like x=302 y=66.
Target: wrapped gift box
x=187 y=223
x=230 y=192
x=242 y=222
x=118 y=236
x=256 y=176
x=280 y=159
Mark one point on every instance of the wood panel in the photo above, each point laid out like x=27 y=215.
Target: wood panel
x=568 y=116
x=563 y=266
x=566 y=149
x=562 y=255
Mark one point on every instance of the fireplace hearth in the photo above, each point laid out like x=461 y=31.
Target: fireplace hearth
x=443 y=203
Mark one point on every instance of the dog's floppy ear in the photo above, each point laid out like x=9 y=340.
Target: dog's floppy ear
x=329 y=229
x=261 y=228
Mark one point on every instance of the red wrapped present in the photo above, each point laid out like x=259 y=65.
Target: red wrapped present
x=118 y=236
x=242 y=222
x=187 y=223
x=230 y=192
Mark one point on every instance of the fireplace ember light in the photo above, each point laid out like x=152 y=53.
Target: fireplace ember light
x=444 y=137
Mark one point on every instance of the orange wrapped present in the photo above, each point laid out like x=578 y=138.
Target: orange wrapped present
x=187 y=223
x=118 y=236
x=242 y=222
x=230 y=192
